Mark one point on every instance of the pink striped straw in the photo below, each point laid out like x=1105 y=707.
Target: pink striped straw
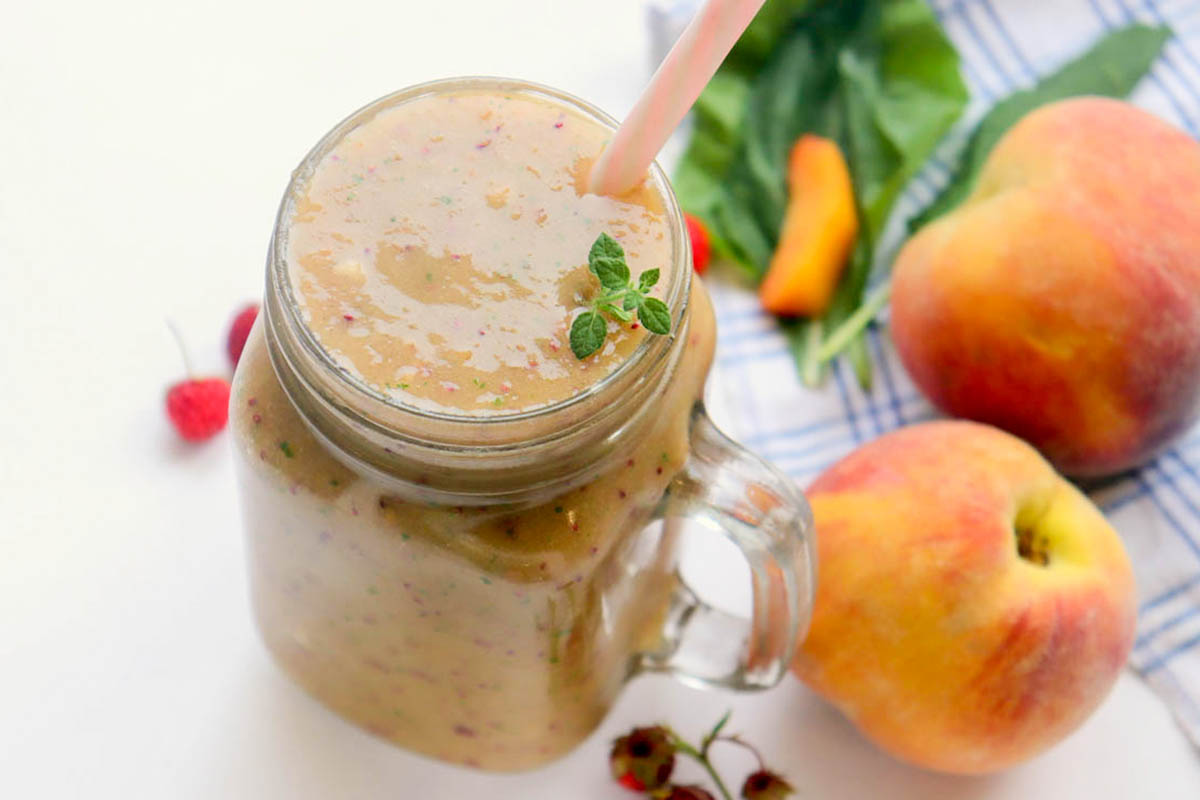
x=676 y=84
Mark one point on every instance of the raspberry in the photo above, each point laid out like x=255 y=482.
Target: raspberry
x=701 y=247
x=643 y=759
x=239 y=330
x=766 y=785
x=199 y=407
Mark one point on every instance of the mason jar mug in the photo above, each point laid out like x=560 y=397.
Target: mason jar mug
x=478 y=588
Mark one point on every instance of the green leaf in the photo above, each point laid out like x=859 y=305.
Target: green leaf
x=1112 y=68
x=804 y=338
x=853 y=326
x=735 y=234
x=619 y=313
x=716 y=133
x=607 y=261
x=896 y=106
x=860 y=359
x=769 y=25
x=655 y=315
x=712 y=735
x=647 y=280
x=588 y=333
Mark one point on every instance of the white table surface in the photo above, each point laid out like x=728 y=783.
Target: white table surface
x=144 y=148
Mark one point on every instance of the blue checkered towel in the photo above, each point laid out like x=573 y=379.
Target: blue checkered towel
x=1005 y=45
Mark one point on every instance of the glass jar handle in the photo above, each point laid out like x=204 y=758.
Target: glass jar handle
x=725 y=487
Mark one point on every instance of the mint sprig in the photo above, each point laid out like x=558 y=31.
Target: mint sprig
x=620 y=298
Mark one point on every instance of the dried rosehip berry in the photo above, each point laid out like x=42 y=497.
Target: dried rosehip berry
x=690 y=793
x=766 y=785
x=643 y=759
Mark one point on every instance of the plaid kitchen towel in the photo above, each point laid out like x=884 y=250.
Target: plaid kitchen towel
x=755 y=393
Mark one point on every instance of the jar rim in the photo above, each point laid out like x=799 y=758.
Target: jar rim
x=648 y=353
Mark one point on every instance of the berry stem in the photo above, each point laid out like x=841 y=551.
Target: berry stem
x=714 y=733
x=701 y=757
x=735 y=739
x=187 y=362
x=844 y=334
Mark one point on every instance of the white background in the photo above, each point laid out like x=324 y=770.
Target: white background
x=143 y=149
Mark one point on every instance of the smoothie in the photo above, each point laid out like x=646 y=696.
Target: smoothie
x=437 y=255
x=440 y=251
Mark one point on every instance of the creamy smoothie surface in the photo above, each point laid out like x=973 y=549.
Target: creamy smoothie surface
x=439 y=251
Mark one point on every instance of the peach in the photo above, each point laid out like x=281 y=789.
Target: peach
x=1061 y=300
x=973 y=607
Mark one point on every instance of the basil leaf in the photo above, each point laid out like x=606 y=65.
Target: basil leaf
x=632 y=301
x=606 y=260
x=1112 y=67
x=647 y=280
x=588 y=333
x=655 y=315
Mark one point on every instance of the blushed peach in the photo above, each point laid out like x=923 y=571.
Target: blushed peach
x=1061 y=301
x=972 y=608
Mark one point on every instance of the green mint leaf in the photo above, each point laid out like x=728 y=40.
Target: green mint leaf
x=619 y=313
x=618 y=299
x=588 y=333
x=607 y=261
x=647 y=279
x=655 y=315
